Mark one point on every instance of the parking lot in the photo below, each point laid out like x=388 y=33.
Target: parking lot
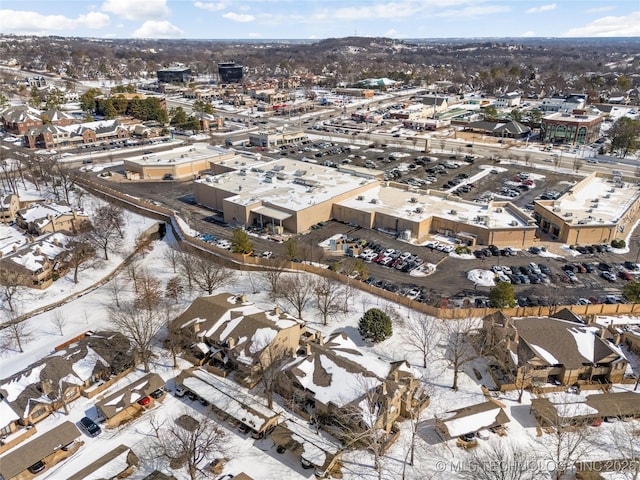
x=486 y=180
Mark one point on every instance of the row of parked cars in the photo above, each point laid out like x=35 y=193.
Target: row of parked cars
x=523 y=274
x=609 y=272
x=392 y=258
x=493 y=251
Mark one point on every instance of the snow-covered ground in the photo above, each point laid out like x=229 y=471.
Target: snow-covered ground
x=258 y=458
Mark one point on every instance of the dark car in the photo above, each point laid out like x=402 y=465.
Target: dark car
x=167 y=176
x=545 y=269
x=156 y=393
x=604 y=267
x=630 y=265
x=588 y=267
x=37 y=467
x=534 y=250
x=89 y=427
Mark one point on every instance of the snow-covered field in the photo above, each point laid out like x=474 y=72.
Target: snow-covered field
x=258 y=458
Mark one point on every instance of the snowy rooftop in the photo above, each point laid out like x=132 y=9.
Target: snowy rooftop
x=188 y=154
x=286 y=183
x=419 y=206
x=594 y=200
x=317 y=446
x=43 y=210
x=230 y=398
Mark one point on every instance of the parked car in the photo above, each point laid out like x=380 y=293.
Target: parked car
x=144 y=401
x=623 y=274
x=608 y=276
x=37 y=467
x=89 y=427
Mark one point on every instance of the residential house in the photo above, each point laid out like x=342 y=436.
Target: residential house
x=631 y=338
x=35 y=262
x=561 y=409
x=315 y=448
x=117 y=463
x=11 y=432
x=539 y=350
x=333 y=380
x=488 y=415
x=229 y=401
x=41 y=218
x=18 y=120
x=9 y=206
x=45 y=448
x=228 y=333
x=93 y=362
x=132 y=400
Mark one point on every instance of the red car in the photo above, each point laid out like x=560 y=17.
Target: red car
x=144 y=401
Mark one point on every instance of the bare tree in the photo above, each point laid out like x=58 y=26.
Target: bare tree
x=144 y=244
x=567 y=441
x=462 y=340
x=17 y=332
x=104 y=232
x=11 y=287
x=209 y=276
x=172 y=257
x=625 y=439
x=64 y=177
x=80 y=251
x=148 y=291
x=295 y=290
x=270 y=362
x=186 y=264
x=140 y=325
x=501 y=461
x=273 y=277
x=59 y=321
x=358 y=423
x=328 y=296
x=174 y=288
x=421 y=334
x=115 y=288
x=185 y=441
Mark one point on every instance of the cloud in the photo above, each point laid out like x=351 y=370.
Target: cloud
x=255 y=35
x=474 y=11
x=369 y=12
x=147 y=9
x=601 y=9
x=625 y=26
x=157 y=29
x=239 y=17
x=210 y=6
x=529 y=33
x=16 y=21
x=542 y=8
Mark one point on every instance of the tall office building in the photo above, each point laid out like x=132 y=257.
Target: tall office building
x=174 y=75
x=230 y=72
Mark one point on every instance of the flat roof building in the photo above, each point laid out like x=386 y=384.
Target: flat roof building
x=595 y=210
x=577 y=128
x=174 y=75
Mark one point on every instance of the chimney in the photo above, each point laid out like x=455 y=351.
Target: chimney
x=15 y=247
x=231 y=342
x=618 y=338
x=320 y=339
x=384 y=388
x=276 y=310
x=307 y=349
x=603 y=332
x=516 y=337
x=38 y=251
x=242 y=298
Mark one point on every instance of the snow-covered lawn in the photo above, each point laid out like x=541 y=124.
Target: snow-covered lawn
x=258 y=458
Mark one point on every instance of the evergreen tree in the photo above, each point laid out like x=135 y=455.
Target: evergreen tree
x=502 y=295
x=240 y=242
x=375 y=325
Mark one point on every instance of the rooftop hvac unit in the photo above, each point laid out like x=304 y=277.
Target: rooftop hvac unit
x=568 y=214
x=268 y=180
x=413 y=200
x=556 y=209
x=419 y=210
x=278 y=168
x=453 y=212
x=360 y=197
x=242 y=172
x=513 y=223
x=498 y=210
x=373 y=200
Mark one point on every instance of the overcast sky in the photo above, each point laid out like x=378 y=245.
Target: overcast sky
x=308 y=19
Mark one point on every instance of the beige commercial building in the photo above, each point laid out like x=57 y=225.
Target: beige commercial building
x=597 y=209
x=290 y=195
